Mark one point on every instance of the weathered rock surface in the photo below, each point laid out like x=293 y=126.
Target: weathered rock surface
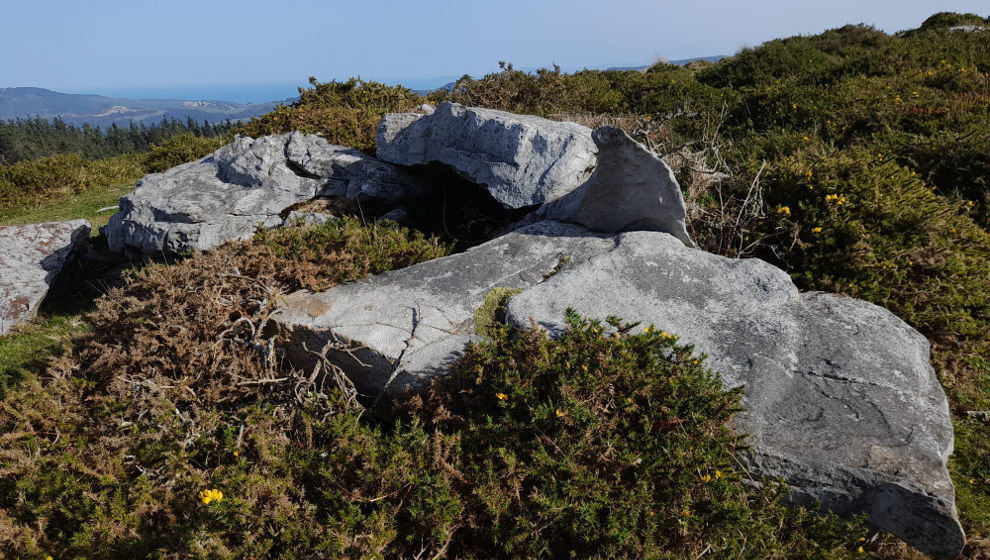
x=841 y=400
x=631 y=189
x=414 y=322
x=966 y=29
x=522 y=160
x=31 y=257
x=226 y=195
x=307 y=218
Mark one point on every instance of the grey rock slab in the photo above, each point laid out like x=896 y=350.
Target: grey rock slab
x=966 y=29
x=247 y=183
x=631 y=189
x=522 y=160
x=840 y=398
x=31 y=257
x=406 y=326
x=308 y=218
x=349 y=172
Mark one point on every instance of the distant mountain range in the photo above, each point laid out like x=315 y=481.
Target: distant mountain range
x=97 y=110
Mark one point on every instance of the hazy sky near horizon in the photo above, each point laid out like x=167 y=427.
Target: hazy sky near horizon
x=99 y=44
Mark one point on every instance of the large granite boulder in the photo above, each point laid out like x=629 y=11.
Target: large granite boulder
x=226 y=195
x=522 y=160
x=31 y=257
x=631 y=189
x=840 y=398
x=411 y=323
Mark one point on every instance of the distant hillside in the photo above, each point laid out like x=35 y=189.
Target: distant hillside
x=680 y=62
x=97 y=110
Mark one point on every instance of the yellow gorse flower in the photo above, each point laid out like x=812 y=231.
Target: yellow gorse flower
x=816 y=230
x=501 y=396
x=786 y=210
x=706 y=478
x=559 y=413
x=211 y=495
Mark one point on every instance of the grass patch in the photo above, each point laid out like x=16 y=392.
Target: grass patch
x=56 y=178
x=33 y=343
x=83 y=205
x=970 y=467
x=490 y=317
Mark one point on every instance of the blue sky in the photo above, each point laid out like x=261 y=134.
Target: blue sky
x=113 y=46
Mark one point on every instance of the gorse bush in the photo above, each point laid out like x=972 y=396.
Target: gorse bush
x=856 y=223
x=943 y=20
x=606 y=444
x=148 y=415
x=595 y=445
x=181 y=149
x=344 y=113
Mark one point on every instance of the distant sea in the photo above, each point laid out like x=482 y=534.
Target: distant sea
x=240 y=93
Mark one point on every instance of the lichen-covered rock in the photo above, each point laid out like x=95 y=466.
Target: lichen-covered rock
x=840 y=398
x=522 y=160
x=31 y=257
x=227 y=195
x=631 y=189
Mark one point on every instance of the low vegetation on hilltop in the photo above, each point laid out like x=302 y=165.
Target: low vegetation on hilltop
x=344 y=113
x=853 y=159
x=173 y=428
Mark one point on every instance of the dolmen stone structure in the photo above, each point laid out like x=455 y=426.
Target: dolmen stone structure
x=840 y=398
x=522 y=160
x=31 y=257
x=248 y=183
